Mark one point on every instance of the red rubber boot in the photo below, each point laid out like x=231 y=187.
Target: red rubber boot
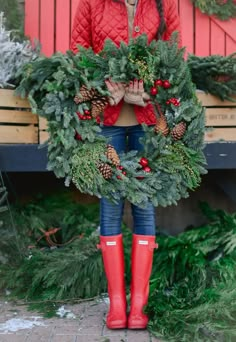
x=141 y=267
x=113 y=259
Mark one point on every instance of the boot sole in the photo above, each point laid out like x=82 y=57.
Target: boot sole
x=117 y=326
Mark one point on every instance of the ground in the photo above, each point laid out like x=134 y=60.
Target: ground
x=84 y=322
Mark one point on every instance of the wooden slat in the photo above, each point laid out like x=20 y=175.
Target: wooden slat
x=216 y=134
x=43 y=136
x=221 y=116
x=187 y=26
x=210 y=100
x=202 y=34
x=8 y=99
x=217 y=43
x=18 y=134
x=62 y=26
x=230 y=45
x=32 y=19
x=228 y=26
x=47 y=18
x=17 y=116
x=42 y=123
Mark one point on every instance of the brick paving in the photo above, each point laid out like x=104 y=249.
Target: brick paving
x=88 y=325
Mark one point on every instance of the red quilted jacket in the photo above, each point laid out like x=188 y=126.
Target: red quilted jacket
x=97 y=20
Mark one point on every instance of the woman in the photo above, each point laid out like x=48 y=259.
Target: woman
x=120 y=20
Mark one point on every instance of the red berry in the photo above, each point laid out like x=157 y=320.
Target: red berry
x=140 y=177
x=98 y=119
x=144 y=162
x=120 y=167
x=166 y=84
x=147 y=169
x=88 y=117
x=119 y=177
x=87 y=112
x=168 y=102
x=124 y=173
x=78 y=136
x=158 y=83
x=153 y=91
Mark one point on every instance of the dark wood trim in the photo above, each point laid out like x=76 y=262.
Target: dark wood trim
x=31 y=158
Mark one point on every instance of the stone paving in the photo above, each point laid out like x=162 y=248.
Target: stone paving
x=87 y=324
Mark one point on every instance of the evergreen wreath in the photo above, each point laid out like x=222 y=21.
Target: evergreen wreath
x=222 y=9
x=70 y=91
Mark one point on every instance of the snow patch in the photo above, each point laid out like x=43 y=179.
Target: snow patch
x=15 y=324
x=63 y=313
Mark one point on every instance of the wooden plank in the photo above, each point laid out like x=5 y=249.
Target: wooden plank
x=230 y=45
x=211 y=101
x=47 y=18
x=221 y=116
x=18 y=134
x=217 y=42
x=62 y=26
x=32 y=19
x=43 y=137
x=74 y=4
x=17 y=116
x=187 y=26
x=43 y=124
x=202 y=34
x=227 y=25
x=8 y=99
x=216 y=134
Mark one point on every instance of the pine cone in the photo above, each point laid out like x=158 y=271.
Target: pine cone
x=105 y=170
x=178 y=131
x=85 y=95
x=98 y=105
x=112 y=155
x=161 y=126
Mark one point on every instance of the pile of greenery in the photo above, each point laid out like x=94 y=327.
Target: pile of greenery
x=192 y=288
x=215 y=75
x=193 y=293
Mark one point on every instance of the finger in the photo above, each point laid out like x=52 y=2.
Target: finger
x=109 y=85
x=140 y=87
x=135 y=87
x=146 y=97
x=131 y=87
x=111 y=101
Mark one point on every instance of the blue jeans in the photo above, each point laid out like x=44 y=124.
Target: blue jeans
x=125 y=139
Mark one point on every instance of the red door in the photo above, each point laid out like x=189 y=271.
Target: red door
x=50 y=22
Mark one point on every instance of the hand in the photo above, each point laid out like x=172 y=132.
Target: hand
x=135 y=94
x=117 y=91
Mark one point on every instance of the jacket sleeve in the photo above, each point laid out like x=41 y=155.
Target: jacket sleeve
x=172 y=20
x=81 y=32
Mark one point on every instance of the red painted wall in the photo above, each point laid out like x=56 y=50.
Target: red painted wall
x=50 y=21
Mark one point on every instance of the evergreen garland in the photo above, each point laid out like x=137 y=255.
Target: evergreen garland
x=215 y=74
x=55 y=87
x=222 y=9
